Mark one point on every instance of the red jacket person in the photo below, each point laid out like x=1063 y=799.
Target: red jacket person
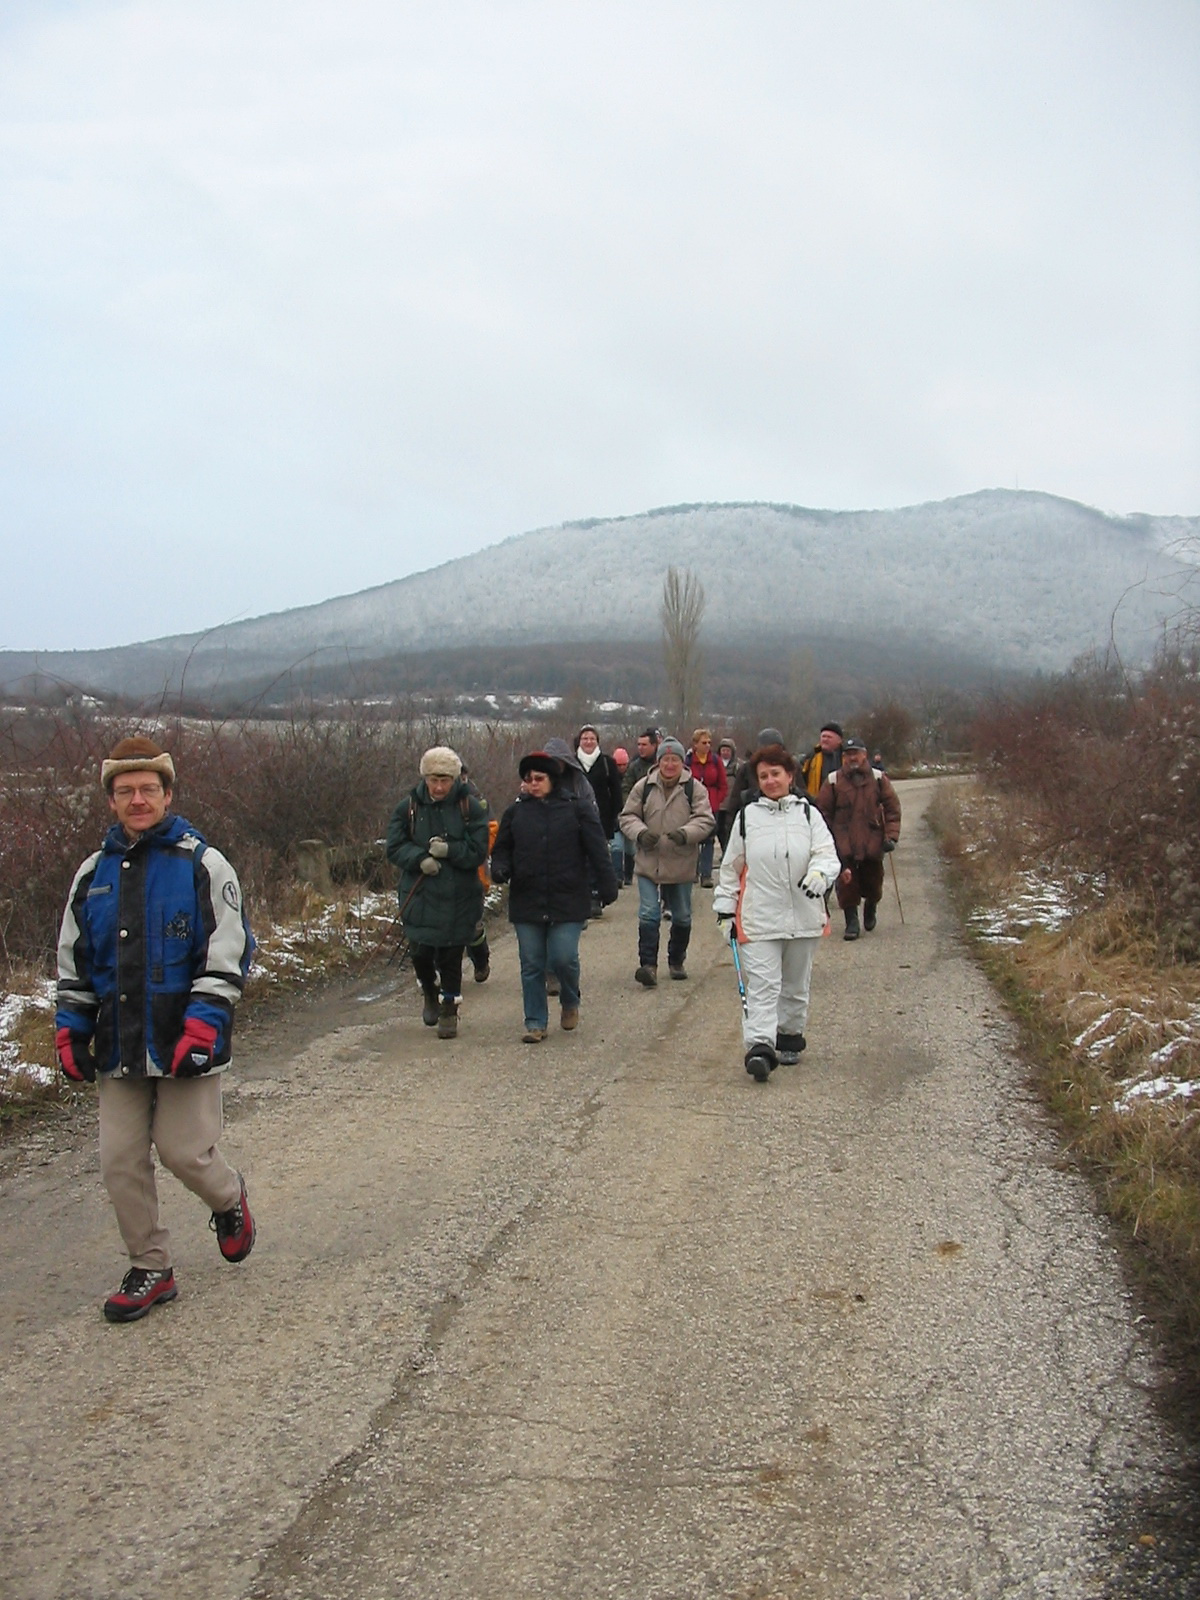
x=152 y=955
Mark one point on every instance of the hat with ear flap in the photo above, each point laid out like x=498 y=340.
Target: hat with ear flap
x=137 y=755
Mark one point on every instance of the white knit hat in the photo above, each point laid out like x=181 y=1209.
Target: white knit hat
x=440 y=762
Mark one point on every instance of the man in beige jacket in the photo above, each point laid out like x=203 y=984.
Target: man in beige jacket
x=667 y=816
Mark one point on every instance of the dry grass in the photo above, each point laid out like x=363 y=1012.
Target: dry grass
x=1107 y=1014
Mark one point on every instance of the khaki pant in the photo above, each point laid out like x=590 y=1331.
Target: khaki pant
x=181 y=1118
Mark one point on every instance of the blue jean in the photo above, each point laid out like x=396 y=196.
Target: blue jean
x=704 y=863
x=678 y=897
x=617 y=847
x=553 y=946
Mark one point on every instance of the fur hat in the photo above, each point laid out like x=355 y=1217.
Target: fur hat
x=137 y=755
x=440 y=762
x=539 y=761
x=671 y=747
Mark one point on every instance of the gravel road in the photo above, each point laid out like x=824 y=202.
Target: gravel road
x=603 y=1316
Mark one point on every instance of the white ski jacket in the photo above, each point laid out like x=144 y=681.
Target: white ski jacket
x=764 y=864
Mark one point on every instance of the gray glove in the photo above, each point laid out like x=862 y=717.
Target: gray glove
x=888 y=846
x=439 y=848
x=430 y=867
x=813 y=883
x=647 y=839
x=677 y=836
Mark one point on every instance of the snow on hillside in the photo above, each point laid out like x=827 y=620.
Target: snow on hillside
x=1013 y=579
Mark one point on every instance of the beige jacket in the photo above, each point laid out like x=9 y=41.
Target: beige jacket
x=651 y=808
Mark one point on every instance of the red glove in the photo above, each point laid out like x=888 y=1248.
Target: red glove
x=195 y=1050
x=73 y=1056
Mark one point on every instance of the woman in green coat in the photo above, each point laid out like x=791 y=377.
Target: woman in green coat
x=438 y=838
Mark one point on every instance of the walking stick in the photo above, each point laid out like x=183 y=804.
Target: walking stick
x=737 y=967
x=896 y=885
x=401 y=949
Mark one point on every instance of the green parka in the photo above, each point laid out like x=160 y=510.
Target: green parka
x=447 y=907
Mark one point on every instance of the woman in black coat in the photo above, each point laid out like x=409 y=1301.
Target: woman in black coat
x=546 y=845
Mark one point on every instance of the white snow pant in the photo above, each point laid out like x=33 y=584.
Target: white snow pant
x=777 y=974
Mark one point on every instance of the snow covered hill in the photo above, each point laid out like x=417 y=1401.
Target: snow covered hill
x=1014 y=579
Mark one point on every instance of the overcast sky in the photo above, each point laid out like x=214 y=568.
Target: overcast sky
x=297 y=298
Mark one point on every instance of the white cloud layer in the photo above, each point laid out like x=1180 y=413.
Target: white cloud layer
x=297 y=298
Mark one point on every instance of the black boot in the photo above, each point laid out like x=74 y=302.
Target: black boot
x=481 y=959
x=677 y=949
x=869 y=915
x=429 y=1010
x=788 y=1047
x=647 y=972
x=852 y=928
x=761 y=1062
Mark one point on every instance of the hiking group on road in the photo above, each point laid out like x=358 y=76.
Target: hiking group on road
x=155 y=945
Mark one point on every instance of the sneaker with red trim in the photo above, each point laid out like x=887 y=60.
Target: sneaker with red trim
x=234 y=1228
x=141 y=1289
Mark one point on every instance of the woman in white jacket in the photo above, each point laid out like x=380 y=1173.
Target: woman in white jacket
x=778 y=864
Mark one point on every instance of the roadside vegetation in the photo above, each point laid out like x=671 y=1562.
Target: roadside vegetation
x=1077 y=853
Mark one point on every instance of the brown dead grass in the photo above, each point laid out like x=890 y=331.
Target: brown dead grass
x=1097 y=997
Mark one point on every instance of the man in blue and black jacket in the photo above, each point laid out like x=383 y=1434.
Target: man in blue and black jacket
x=152 y=956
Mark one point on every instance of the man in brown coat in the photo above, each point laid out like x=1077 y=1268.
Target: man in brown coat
x=863 y=814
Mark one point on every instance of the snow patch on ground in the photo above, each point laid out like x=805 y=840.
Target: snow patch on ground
x=13 y=1008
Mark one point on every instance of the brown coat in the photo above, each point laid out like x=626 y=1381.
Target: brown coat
x=861 y=809
x=653 y=808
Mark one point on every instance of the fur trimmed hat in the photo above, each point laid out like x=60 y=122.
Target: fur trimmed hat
x=539 y=761
x=440 y=762
x=137 y=755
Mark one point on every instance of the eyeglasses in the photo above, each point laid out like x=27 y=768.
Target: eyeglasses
x=143 y=791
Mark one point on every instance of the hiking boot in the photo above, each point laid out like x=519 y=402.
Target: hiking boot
x=141 y=1288
x=447 y=1020
x=597 y=909
x=706 y=883
x=647 y=976
x=552 y=984
x=429 y=1008
x=533 y=1035
x=852 y=928
x=234 y=1228
x=869 y=915
x=483 y=970
x=761 y=1062
x=570 y=1017
x=788 y=1047
x=677 y=946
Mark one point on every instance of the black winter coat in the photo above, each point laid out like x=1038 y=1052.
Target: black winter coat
x=605 y=780
x=542 y=852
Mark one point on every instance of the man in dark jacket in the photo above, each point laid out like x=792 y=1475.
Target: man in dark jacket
x=644 y=762
x=438 y=838
x=863 y=814
x=548 y=847
x=826 y=757
x=152 y=956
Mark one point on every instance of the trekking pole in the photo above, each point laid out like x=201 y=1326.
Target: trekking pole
x=737 y=967
x=401 y=944
x=896 y=885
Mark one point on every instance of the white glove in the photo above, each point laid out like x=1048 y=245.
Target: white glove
x=439 y=848
x=813 y=883
x=430 y=867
